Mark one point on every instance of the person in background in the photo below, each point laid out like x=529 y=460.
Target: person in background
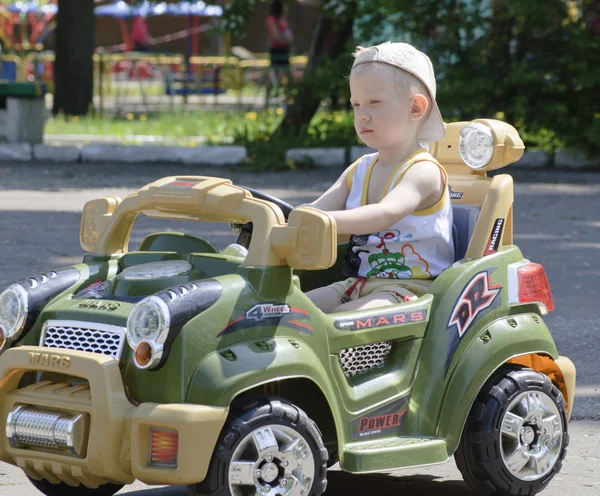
x=139 y=35
x=280 y=37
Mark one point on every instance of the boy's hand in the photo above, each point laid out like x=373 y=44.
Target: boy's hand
x=421 y=187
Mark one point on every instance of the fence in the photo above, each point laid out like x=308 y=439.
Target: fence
x=135 y=82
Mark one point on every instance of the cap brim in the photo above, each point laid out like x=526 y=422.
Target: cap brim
x=433 y=129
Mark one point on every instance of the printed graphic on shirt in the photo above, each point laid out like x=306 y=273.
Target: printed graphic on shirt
x=388 y=420
x=476 y=300
x=392 y=265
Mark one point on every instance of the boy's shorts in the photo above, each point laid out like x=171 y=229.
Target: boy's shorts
x=402 y=290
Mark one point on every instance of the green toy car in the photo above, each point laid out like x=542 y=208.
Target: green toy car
x=178 y=363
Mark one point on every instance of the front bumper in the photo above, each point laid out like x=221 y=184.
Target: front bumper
x=117 y=442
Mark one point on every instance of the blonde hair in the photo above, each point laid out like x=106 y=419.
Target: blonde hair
x=408 y=85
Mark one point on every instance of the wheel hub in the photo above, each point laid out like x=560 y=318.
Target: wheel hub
x=270 y=472
x=531 y=435
x=527 y=435
x=272 y=460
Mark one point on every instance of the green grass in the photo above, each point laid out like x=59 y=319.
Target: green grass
x=246 y=128
x=326 y=129
x=212 y=126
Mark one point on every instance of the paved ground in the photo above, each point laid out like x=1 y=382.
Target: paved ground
x=556 y=223
x=578 y=477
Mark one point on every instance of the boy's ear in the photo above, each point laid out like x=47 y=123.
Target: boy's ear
x=418 y=106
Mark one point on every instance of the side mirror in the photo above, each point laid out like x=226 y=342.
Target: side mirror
x=95 y=217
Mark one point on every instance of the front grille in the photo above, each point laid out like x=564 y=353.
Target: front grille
x=362 y=359
x=84 y=336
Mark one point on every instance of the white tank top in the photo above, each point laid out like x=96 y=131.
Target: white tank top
x=418 y=246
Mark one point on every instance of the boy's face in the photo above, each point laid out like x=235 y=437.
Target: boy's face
x=381 y=112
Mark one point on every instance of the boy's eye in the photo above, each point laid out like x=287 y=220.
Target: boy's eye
x=356 y=105
x=374 y=101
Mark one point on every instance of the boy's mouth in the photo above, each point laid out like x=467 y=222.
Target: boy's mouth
x=366 y=131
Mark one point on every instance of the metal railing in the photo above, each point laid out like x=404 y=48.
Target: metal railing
x=134 y=82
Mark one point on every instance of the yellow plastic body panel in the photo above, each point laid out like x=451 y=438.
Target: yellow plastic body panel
x=118 y=440
x=306 y=242
x=560 y=371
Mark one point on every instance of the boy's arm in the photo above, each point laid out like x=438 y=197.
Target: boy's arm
x=422 y=183
x=335 y=197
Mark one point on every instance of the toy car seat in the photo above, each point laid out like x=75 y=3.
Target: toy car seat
x=464 y=222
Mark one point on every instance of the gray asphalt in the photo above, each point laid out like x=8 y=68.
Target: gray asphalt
x=557 y=224
x=578 y=477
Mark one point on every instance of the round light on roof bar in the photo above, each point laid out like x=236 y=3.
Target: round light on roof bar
x=476 y=145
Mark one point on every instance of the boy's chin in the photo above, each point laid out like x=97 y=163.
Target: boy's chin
x=371 y=143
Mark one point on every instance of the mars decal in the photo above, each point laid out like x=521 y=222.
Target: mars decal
x=388 y=420
x=381 y=320
x=478 y=297
x=268 y=314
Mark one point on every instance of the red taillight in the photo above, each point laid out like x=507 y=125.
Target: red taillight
x=534 y=286
x=164 y=445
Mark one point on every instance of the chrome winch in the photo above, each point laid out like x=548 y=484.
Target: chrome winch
x=29 y=427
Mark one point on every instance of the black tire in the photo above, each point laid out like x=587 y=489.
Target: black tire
x=246 y=418
x=479 y=456
x=62 y=489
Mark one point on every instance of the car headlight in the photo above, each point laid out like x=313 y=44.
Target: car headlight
x=476 y=145
x=14 y=306
x=156 y=321
x=148 y=321
x=147 y=330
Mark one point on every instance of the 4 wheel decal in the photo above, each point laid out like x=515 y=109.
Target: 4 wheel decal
x=266 y=311
x=270 y=314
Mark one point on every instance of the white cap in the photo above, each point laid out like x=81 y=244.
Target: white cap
x=409 y=59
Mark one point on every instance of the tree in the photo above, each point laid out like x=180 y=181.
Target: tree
x=329 y=57
x=327 y=60
x=535 y=64
x=74 y=65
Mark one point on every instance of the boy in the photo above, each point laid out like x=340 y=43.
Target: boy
x=400 y=194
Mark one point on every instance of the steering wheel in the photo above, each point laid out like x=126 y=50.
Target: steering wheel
x=245 y=230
